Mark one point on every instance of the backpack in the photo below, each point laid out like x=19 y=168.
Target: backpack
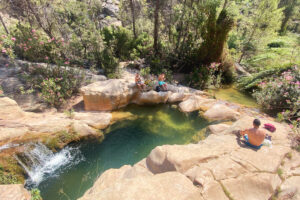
x=270 y=127
x=157 y=89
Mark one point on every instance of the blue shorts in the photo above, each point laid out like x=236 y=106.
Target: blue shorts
x=251 y=145
x=160 y=83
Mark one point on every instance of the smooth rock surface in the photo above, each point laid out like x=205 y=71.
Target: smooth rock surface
x=151 y=97
x=252 y=186
x=221 y=112
x=166 y=186
x=290 y=189
x=98 y=120
x=178 y=97
x=9 y=109
x=14 y=192
x=217 y=128
x=196 y=103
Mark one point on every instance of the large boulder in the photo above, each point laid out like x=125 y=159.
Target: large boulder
x=171 y=185
x=196 y=103
x=178 y=97
x=9 y=109
x=108 y=95
x=11 y=85
x=221 y=112
x=182 y=157
x=14 y=192
x=217 y=128
x=151 y=97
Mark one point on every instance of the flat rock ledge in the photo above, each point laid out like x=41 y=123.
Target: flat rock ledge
x=219 y=167
x=15 y=124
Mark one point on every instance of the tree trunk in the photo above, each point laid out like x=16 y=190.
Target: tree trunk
x=156 y=24
x=3 y=24
x=244 y=50
x=133 y=18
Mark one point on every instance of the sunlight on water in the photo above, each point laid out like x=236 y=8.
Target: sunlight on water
x=230 y=93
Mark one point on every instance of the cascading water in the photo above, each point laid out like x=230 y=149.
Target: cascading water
x=40 y=162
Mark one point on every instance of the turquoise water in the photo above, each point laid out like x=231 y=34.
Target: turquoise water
x=126 y=142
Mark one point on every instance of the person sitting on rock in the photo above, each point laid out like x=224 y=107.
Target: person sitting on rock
x=255 y=136
x=161 y=83
x=138 y=82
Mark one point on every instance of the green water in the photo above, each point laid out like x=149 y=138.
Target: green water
x=232 y=94
x=126 y=142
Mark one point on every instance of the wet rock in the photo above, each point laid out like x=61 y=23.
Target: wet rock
x=14 y=192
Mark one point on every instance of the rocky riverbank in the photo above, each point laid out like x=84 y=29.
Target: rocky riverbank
x=219 y=167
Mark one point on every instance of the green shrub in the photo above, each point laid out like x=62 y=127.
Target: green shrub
x=6 y=45
x=206 y=76
x=35 y=46
x=55 y=83
x=109 y=63
x=8 y=178
x=276 y=44
x=35 y=194
x=281 y=93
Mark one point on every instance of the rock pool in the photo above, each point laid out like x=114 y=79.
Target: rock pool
x=126 y=142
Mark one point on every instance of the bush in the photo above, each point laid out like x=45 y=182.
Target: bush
x=56 y=83
x=206 y=76
x=123 y=45
x=35 y=194
x=281 y=93
x=35 y=46
x=276 y=44
x=6 y=45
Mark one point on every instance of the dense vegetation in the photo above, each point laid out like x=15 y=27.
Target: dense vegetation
x=202 y=39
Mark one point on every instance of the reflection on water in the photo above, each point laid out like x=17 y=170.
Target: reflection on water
x=126 y=142
x=232 y=94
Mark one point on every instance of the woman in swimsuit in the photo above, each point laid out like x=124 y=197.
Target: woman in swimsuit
x=161 y=83
x=138 y=82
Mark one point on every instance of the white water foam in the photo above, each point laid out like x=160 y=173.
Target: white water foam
x=42 y=162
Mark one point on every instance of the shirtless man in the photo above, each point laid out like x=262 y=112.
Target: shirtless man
x=255 y=136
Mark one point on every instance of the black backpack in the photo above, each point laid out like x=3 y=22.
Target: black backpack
x=157 y=89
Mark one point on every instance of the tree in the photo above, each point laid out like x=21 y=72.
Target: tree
x=133 y=18
x=260 y=19
x=288 y=12
x=156 y=26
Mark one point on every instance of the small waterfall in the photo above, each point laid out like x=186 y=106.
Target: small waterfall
x=40 y=162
